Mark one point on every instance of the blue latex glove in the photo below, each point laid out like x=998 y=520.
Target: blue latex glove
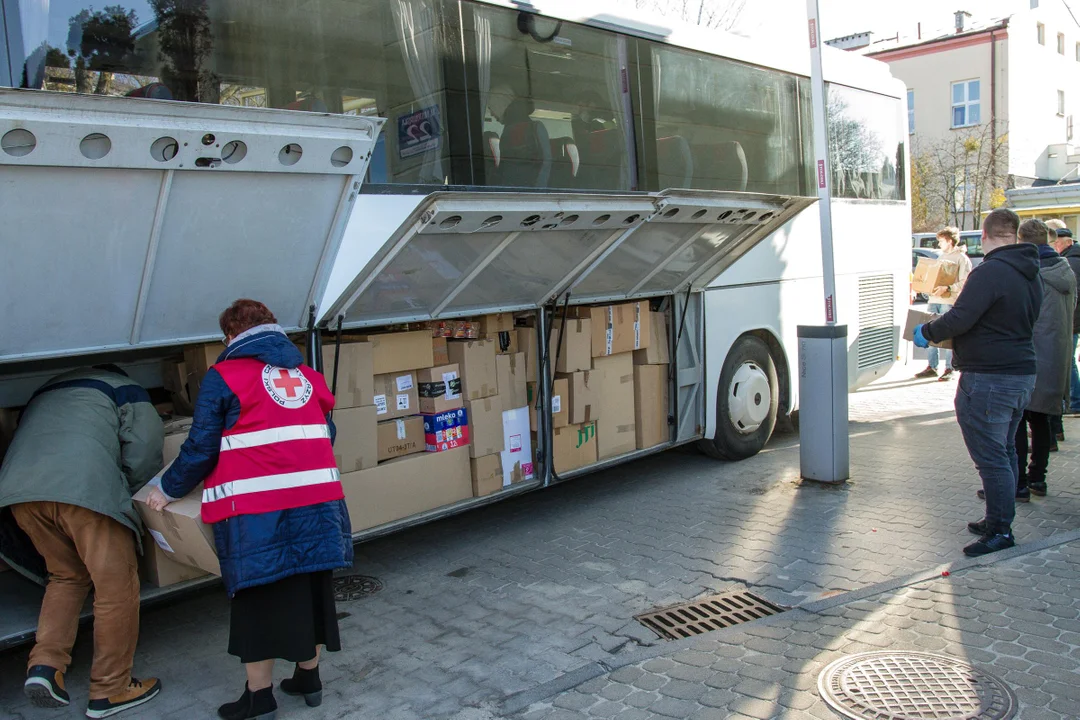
x=919 y=339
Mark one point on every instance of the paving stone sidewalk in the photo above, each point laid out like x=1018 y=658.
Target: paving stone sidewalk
x=504 y=599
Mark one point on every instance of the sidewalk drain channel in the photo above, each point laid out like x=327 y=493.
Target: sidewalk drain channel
x=913 y=686
x=354 y=587
x=712 y=613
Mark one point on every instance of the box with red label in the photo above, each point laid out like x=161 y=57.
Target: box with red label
x=447 y=430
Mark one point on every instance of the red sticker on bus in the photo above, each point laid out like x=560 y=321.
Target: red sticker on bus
x=821 y=173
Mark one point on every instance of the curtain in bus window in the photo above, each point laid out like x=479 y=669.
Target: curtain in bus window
x=420 y=132
x=618 y=97
x=866 y=150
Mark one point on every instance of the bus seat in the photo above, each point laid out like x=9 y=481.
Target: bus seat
x=601 y=165
x=154 y=91
x=675 y=163
x=494 y=153
x=525 y=155
x=722 y=166
x=308 y=104
x=565 y=162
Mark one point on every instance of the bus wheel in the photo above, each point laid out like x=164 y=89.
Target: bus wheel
x=746 y=402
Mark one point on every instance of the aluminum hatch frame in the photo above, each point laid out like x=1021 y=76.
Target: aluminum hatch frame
x=131 y=223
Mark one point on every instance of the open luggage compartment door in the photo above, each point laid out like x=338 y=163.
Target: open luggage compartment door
x=133 y=223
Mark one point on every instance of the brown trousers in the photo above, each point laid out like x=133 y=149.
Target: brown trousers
x=83 y=548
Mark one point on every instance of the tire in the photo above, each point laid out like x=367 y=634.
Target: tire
x=743 y=423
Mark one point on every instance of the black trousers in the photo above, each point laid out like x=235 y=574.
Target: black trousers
x=1041 y=439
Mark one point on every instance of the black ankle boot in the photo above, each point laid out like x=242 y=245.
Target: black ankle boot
x=306 y=683
x=258 y=705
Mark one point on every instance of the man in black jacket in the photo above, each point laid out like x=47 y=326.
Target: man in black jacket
x=991 y=328
x=1068 y=250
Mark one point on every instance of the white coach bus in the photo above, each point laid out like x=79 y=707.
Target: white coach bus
x=533 y=155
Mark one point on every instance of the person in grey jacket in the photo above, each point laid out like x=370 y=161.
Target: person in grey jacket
x=1052 y=336
x=1067 y=249
x=86 y=441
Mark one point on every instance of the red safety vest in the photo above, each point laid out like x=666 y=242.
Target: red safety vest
x=278 y=454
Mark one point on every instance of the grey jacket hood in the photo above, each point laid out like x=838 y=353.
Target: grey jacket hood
x=1057 y=274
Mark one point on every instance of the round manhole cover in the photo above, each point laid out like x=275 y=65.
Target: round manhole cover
x=913 y=686
x=354 y=587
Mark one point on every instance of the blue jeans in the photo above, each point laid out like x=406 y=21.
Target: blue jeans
x=933 y=353
x=989 y=409
x=1074 y=387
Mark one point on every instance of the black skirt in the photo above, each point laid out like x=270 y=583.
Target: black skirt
x=285 y=620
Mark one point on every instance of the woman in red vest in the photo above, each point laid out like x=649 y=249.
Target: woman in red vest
x=261 y=442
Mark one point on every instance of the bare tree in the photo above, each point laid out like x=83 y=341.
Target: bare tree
x=718 y=14
x=965 y=175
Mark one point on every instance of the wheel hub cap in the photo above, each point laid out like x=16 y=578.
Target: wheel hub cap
x=749 y=398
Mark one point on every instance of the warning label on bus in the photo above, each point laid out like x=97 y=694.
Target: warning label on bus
x=419 y=132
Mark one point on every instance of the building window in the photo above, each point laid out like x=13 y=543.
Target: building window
x=1078 y=52
x=911 y=112
x=1042 y=33
x=1061 y=43
x=1069 y=128
x=1034 y=4
x=965 y=104
x=1061 y=103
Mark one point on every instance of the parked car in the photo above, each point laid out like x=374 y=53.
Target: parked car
x=971 y=239
x=917 y=253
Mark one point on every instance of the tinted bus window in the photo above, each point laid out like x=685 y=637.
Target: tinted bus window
x=555 y=107
x=723 y=125
x=364 y=57
x=866 y=149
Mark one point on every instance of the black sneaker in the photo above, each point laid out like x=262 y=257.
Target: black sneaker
x=1038 y=488
x=136 y=693
x=1053 y=446
x=990 y=543
x=1023 y=494
x=258 y=705
x=44 y=687
x=978 y=527
x=929 y=372
x=306 y=683
x=947 y=375
x=1060 y=437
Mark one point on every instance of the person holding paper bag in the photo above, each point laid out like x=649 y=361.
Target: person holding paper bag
x=944 y=296
x=87 y=441
x=261 y=441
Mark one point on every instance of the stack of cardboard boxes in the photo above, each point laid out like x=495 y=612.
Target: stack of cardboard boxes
x=651 y=383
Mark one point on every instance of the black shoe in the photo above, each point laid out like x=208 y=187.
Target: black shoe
x=978 y=527
x=989 y=543
x=306 y=683
x=136 y=693
x=1054 y=447
x=947 y=375
x=927 y=373
x=44 y=687
x=258 y=705
x=1037 y=488
x=1023 y=494
x=1060 y=437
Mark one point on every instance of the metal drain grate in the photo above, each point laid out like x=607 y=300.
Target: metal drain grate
x=354 y=587
x=913 y=686
x=708 y=614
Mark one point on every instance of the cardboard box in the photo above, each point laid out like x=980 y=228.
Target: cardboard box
x=439 y=389
x=179 y=530
x=651 y=405
x=583 y=397
x=511 y=372
x=658 y=351
x=506 y=343
x=406 y=486
x=398 y=438
x=560 y=411
x=355 y=447
x=198 y=359
x=517 y=458
x=496 y=323
x=916 y=318
x=356 y=377
x=485 y=426
x=158 y=569
x=930 y=273
x=174 y=376
x=527 y=343
x=576 y=352
x=401 y=351
x=171 y=448
x=438 y=351
x=615 y=430
x=476 y=363
x=487 y=475
x=618 y=328
x=446 y=431
x=396 y=395
x=574 y=446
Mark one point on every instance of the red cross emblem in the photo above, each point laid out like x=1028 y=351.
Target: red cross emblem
x=287 y=386
x=285 y=381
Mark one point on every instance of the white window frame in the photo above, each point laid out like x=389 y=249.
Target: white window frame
x=966 y=103
x=1061 y=103
x=1078 y=52
x=1041 y=29
x=1061 y=44
x=911 y=112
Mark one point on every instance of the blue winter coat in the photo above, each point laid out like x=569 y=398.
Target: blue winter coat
x=266 y=547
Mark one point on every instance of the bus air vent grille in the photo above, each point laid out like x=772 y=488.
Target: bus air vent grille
x=877 y=331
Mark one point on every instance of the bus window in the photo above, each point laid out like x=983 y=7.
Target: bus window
x=363 y=57
x=866 y=150
x=722 y=125
x=555 y=109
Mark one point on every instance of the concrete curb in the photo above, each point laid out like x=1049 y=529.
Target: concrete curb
x=519 y=701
